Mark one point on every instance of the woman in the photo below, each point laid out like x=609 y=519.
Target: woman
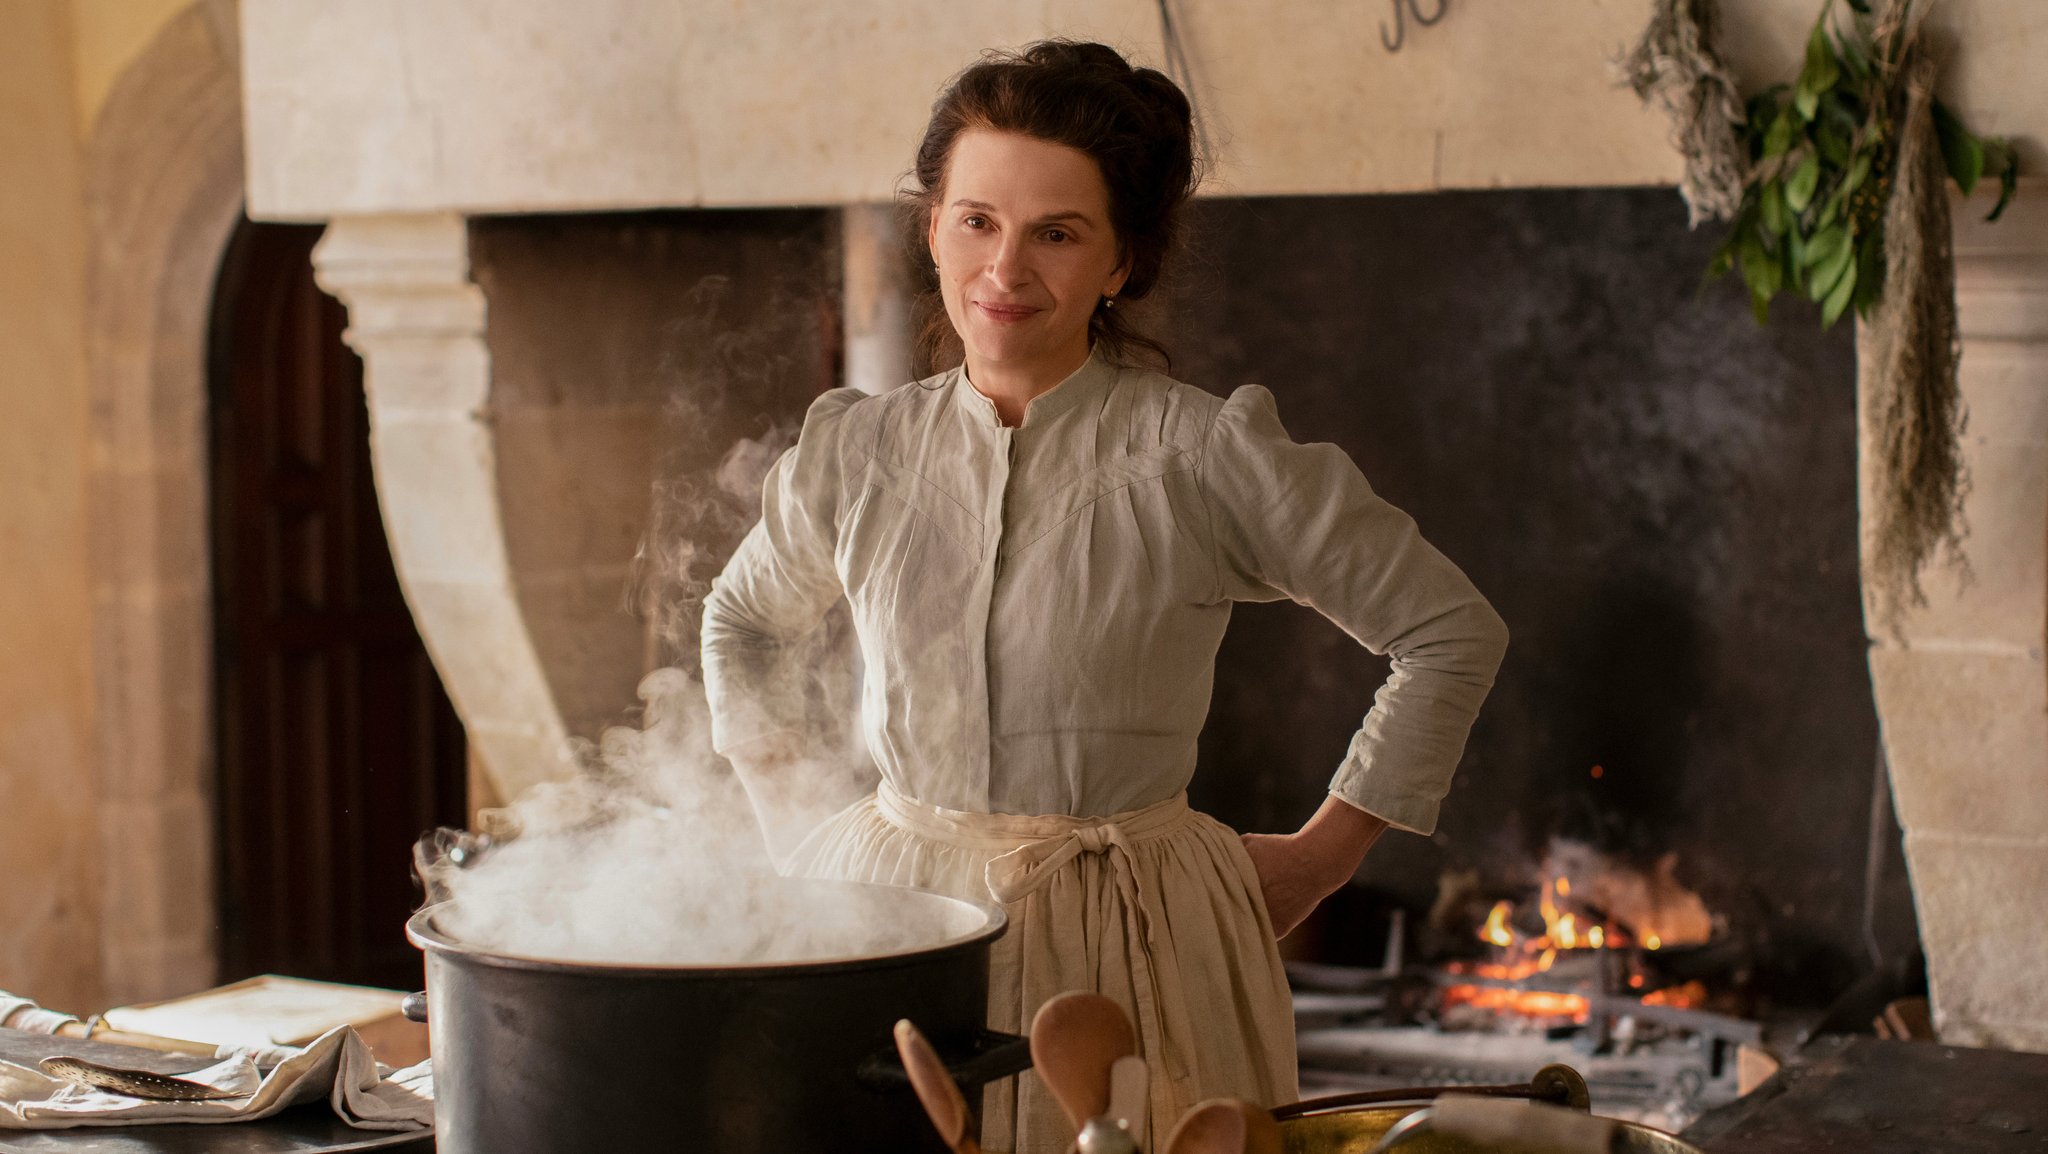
x=1040 y=548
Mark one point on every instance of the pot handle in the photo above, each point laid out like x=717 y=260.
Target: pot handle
x=414 y=1007
x=973 y=1057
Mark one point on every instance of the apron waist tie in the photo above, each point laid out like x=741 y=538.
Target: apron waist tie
x=1034 y=850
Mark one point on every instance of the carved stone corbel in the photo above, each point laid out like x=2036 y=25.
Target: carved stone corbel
x=418 y=322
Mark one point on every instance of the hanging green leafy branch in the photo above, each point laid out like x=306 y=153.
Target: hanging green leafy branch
x=1820 y=155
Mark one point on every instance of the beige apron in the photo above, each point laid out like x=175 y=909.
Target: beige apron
x=1158 y=908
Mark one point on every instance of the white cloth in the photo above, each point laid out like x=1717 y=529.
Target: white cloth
x=1158 y=908
x=337 y=1066
x=1039 y=607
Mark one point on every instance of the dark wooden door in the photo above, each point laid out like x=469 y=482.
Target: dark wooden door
x=337 y=745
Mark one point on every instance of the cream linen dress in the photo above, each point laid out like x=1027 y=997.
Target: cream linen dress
x=1038 y=610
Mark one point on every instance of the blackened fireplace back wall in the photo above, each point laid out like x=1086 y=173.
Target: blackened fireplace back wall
x=1657 y=494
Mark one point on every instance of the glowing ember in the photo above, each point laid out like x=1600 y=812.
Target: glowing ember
x=1532 y=1003
x=1680 y=997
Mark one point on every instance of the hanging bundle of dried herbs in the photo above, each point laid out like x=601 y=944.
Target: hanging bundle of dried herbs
x=1821 y=154
x=1908 y=361
x=1675 y=63
x=1843 y=198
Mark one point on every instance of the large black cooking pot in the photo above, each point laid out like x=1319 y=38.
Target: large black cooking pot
x=554 y=1057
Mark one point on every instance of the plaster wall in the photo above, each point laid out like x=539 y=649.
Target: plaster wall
x=50 y=946
x=528 y=105
x=106 y=36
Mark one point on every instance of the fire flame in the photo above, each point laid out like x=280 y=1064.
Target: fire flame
x=1668 y=911
x=1496 y=928
x=1561 y=929
x=1523 y=956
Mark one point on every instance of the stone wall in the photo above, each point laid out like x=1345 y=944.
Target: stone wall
x=1964 y=688
x=50 y=905
x=111 y=205
x=629 y=353
x=531 y=105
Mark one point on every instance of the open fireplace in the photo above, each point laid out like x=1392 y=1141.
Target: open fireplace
x=1670 y=834
x=1622 y=973
x=1671 y=839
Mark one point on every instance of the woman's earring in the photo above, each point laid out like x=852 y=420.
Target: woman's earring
x=1109 y=302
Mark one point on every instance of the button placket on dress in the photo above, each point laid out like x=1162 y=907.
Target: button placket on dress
x=1002 y=448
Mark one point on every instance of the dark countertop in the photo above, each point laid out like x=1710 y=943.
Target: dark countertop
x=1864 y=1096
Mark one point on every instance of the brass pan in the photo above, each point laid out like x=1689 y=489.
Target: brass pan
x=1355 y=1123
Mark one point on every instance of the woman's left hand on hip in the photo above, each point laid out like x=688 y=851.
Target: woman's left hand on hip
x=1298 y=870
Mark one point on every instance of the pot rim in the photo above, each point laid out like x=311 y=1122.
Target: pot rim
x=432 y=939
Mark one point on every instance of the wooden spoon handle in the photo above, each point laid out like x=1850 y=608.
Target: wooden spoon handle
x=943 y=1102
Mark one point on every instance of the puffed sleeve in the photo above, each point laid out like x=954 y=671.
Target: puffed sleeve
x=778 y=585
x=1300 y=521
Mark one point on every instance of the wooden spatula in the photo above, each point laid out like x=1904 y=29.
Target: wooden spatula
x=1075 y=1039
x=943 y=1102
x=1225 y=1126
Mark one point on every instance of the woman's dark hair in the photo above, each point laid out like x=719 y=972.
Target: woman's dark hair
x=1134 y=122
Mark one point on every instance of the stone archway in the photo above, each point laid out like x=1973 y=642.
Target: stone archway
x=163 y=188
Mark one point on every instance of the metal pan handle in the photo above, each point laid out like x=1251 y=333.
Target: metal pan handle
x=1557 y=1085
x=973 y=1057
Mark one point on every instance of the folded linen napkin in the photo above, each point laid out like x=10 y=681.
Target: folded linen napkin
x=337 y=1066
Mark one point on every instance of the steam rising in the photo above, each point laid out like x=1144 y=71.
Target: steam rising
x=651 y=853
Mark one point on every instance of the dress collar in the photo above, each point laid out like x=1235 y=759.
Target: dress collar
x=1091 y=380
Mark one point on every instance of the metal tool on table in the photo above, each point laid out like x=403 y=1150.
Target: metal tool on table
x=135 y=1083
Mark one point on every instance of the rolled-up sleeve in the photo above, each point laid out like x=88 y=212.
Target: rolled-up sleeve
x=778 y=586
x=1300 y=521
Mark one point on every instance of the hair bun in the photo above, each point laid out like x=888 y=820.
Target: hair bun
x=1077 y=53
x=1159 y=90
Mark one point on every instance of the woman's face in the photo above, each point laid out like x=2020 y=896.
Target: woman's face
x=1024 y=249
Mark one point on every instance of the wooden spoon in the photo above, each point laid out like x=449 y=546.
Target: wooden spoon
x=1075 y=1039
x=1225 y=1126
x=1129 y=1078
x=943 y=1102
